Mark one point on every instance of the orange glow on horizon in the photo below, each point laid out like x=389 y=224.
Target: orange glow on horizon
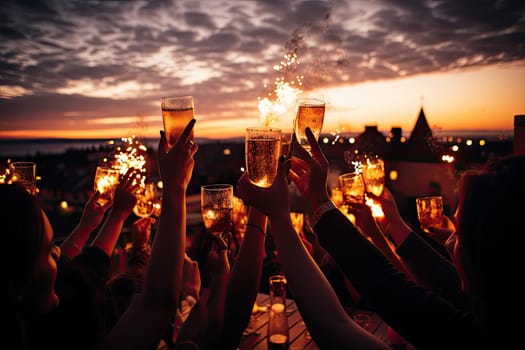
x=484 y=98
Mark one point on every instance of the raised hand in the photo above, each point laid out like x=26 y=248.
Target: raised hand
x=176 y=163
x=93 y=212
x=141 y=231
x=125 y=199
x=270 y=201
x=309 y=172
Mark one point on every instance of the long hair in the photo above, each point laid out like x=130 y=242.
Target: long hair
x=22 y=235
x=492 y=238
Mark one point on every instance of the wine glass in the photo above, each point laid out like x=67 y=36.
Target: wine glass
x=145 y=200
x=262 y=148
x=429 y=211
x=25 y=174
x=373 y=170
x=217 y=208
x=106 y=181
x=177 y=111
x=310 y=113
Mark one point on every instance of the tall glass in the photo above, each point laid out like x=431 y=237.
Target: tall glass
x=176 y=113
x=310 y=113
x=145 y=200
x=373 y=169
x=353 y=188
x=429 y=211
x=262 y=149
x=217 y=207
x=25 y=174
x=106 y=181
x=278 y=333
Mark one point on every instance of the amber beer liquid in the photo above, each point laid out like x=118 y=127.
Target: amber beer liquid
x=262 y=151
x=217 y=220
x=310 y=113
x=175 y=120
x=262 y=158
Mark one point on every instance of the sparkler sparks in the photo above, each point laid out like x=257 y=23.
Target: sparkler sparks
x=336 y=134
x=284 y=94
x=131 y=153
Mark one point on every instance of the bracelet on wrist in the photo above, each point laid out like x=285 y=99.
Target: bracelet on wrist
x=319 y=212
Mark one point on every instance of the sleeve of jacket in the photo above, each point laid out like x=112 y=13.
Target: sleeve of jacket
x=415 y=312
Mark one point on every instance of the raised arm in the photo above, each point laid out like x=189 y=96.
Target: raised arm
x=149 y=314
x=123 y=204
x=327 y=321
x=244 y=280
x=92 y=216
x=398 y=300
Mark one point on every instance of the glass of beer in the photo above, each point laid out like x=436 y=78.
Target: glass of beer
x=353 y=188
x=429 y=211
x=262 y=148
x=145 y=200
x=25 y=174
x=217 y=207
x=373 y=168
x=176 y=113
x=106 y=181
x=310 y=113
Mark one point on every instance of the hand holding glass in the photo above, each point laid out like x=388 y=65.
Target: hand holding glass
x=217 y=207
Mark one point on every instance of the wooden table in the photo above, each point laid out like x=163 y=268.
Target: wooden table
x=256 y=335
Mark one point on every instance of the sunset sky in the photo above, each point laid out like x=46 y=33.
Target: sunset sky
x=93 y=69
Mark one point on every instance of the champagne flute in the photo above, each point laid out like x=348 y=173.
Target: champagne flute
x=106 y=181
x=373 y=170
x=263 y=147
x=217 y=208
x=310 y=113
x=176 y=114
x=25 y=174
x=429 y=211
x=145 y=200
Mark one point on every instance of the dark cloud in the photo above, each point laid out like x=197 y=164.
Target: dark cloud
x=49 y=45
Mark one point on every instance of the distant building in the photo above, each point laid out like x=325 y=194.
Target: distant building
x=413 y=166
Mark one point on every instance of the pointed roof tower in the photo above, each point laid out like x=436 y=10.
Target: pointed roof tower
x=421 y=145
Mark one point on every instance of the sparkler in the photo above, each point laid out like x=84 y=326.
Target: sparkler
x=285 y=91
x=131 y=153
